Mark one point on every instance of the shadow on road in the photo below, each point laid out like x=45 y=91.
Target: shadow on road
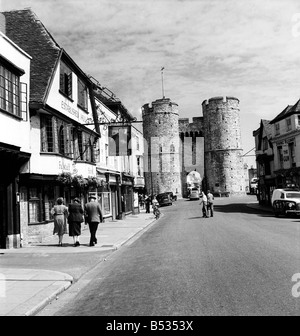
x=241 y=208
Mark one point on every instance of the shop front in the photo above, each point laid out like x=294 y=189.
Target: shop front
x=127 y=196
x=12 y=160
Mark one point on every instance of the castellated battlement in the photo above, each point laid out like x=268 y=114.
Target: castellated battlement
x=163 y=105
x=224 y=99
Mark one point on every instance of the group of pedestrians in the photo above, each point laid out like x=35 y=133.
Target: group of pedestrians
x=75 y=215
x=207 y=202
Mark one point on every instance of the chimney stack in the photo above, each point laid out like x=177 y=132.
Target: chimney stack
x=2 y=24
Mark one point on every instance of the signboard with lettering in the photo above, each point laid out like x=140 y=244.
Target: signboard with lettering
x=286 y=156
x=119 y=140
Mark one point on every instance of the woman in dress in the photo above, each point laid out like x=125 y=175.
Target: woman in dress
x=60 y=213
x=75 y=219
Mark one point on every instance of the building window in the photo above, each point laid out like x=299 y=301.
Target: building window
x=288 y=124
x=138 y=159
x=61 y=140
x=137 y=143
x=277 y=129
x=82 y=95
x=292 y=154
x=265 y=143
x=298 y=119
x=35 y=210
x=280 y=157
x=47 y=133
x=9 y=91
x=65 y=80
x=56 y=136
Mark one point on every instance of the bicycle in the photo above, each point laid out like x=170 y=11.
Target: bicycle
x=156 y=212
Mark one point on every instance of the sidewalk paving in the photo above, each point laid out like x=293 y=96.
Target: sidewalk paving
x=31 y=277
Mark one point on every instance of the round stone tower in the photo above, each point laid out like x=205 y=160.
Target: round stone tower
x=162 y=147
x=223 y=161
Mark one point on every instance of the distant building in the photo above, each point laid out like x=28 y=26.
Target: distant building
x=277 y=157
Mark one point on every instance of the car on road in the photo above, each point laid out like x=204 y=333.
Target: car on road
x=194 y=194
x=286 y=202
x=164 y=199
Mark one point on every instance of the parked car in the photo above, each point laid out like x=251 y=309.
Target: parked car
x=194 y=194
x=164 y=199
x=286 y=202
x=174 y=197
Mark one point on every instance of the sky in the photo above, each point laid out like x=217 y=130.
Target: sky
x=249 y=49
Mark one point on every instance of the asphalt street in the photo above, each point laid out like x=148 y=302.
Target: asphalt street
x=240 y=262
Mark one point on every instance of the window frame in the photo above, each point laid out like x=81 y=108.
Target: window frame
x=10 y=89
x=66 y=82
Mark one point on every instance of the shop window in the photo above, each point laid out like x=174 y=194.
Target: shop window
x=34 y=204
x=65 y=86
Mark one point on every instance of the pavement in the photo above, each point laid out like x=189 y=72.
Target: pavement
x=31 y=277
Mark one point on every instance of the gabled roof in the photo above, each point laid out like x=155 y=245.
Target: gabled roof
x=289 y=110
x=27 y=31
x=268 y=128
x=264 y=125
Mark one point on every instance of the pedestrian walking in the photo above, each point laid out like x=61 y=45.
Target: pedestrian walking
x=147 y=203
x=210 y=203
x=93 y=215
x=60 y=214
x=204 y=204
x=75 y=219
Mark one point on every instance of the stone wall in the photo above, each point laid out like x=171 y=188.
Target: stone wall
x=224 y=165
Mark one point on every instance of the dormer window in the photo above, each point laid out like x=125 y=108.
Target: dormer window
x=65 y=86
x=82 y=95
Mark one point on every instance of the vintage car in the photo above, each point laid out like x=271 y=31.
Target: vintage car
x=286 y=202
x=194 y=194
x=164 y=199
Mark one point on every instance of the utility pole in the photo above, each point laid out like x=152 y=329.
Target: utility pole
x=162 y=81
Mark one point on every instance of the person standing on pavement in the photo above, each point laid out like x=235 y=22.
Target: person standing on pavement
x=204 y=204
x=147 y=203
x=75 y=219
x=93 y=215
x=210 y=203
x=60 y=214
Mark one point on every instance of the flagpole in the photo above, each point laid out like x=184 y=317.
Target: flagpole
x=162 y=81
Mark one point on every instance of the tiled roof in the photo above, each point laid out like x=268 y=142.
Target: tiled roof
x=27 y=31
x=285 y=113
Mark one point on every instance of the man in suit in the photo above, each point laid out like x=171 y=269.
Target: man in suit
x=93 y=216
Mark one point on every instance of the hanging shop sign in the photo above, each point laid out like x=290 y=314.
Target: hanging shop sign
x=119 y=140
